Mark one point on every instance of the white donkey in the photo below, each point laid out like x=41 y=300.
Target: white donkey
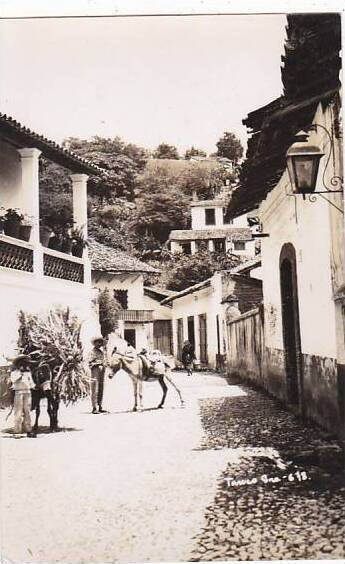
x=137 y=369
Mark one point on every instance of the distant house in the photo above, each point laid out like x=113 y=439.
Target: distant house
x=210 y=228
x=302 y=360
x=142 y=320
x=199 y=314
x=35 y=278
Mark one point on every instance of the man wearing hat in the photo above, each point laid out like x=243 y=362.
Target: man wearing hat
x=97 y=363
x=22 y=383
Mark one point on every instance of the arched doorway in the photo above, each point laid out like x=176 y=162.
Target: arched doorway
x=290 y=319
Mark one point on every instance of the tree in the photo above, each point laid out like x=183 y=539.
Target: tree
x=157 y=213
x=165 y=151
x=205 y=179
x=194 y=152
x=230 y=147
x=108 y=312
x=122 y=163
x=109 y=224
x=187 y=270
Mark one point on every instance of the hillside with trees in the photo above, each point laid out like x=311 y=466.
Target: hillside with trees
x=140 y=200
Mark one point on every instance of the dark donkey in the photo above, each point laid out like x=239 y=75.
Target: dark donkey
x=42 y=376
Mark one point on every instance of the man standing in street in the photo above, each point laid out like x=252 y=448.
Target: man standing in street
x=97 y=363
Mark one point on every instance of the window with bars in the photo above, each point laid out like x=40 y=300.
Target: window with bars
x=121 y=296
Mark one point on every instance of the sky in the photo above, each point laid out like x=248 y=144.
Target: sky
x=182 y=80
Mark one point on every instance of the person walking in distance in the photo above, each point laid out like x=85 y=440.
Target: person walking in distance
x=97 y=363
x=188 y=356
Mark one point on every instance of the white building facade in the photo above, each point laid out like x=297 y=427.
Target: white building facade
x=199 y=314
x=211 y=229
x=302 y=358
x=34 y=278
x=141 y=318
x=302 y=271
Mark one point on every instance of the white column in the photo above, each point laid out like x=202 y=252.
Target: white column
x=79 y=187
x=29 y=200
x=174 y=247
x=211 y=245
x=193 y=247
x=219 y=217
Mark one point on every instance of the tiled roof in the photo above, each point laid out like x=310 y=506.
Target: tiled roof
x=22 y=136
x=247 y=266
x=157 y=292
x=310 y=75
x=209 y=203
x=186 y=291
x=108 y=259
x=235 y=233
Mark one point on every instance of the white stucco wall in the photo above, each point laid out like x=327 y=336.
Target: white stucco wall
x=159 y=311
x=133 y=283
x=248 y=252
x=204 y=301
x=306 y=225
x=198 y=217
x=32 y=294
x=240 y=221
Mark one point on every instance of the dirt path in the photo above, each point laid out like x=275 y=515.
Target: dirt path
x=170 y=485
x=119 y=486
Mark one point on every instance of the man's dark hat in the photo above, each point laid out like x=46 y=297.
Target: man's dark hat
x=20 y=359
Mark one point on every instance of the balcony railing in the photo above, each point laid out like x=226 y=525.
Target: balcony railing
x=16 y=254
x=136 y=315
x=60 y=265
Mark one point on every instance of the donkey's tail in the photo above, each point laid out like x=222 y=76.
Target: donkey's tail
x=176 y=388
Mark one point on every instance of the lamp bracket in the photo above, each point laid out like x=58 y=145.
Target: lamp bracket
x=328 y=192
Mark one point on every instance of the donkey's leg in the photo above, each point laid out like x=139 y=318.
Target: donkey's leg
x=164 y=388
x=35 y=406
x=50 y=409
x=140 y=393
x=55 y=405
x=37 y=412
x=135 y=389
x=176 y=388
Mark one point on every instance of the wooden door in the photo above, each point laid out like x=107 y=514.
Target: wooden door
x=290 y=319
x=179 y=338
x=191 y=330
x=162 y=336
x=203 y=338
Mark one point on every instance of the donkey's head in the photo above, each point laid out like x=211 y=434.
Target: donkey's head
x=115 y=362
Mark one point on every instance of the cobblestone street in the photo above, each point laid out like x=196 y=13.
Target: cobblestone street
x=230 y=476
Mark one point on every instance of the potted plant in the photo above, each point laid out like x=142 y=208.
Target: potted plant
x=13 y=220
x=2 y=218
x=26 y=227
x=79 y=242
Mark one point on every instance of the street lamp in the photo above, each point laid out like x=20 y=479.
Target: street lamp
x=303 y=161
